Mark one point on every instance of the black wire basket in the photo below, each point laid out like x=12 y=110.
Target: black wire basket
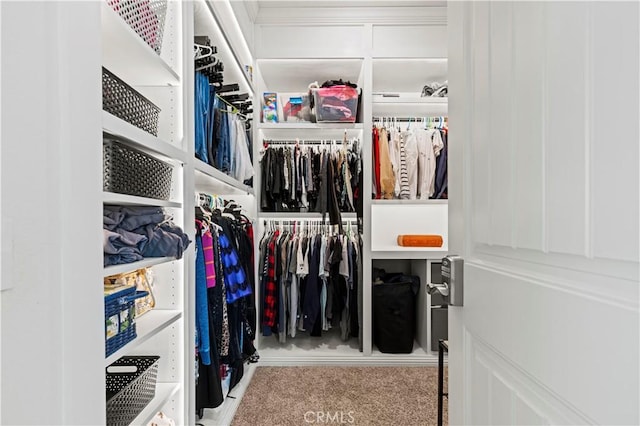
x=129 y=171
x=121 y=100
x=145 y=17
x=131 y=385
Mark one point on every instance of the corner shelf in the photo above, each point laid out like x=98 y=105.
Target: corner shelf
x=164 y=392
x=128 y=267
x=147 y=326
x=113 y=198
x=208 y=177
x=138 y=138
x=138 y=64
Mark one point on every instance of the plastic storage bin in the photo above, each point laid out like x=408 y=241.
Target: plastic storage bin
x=336 y=104
x=394 y=314
x=129 y=392
x=129 y=171
x=120 y=316
x=124 y=102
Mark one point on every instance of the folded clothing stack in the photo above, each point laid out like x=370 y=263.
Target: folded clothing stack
x=436 y=90
x=133 y=233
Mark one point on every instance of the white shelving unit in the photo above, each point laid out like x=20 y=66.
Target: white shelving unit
x=165 y=330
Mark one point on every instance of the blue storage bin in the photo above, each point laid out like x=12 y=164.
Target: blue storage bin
x=120 y=316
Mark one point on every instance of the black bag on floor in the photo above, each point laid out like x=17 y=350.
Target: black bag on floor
x=394 y=313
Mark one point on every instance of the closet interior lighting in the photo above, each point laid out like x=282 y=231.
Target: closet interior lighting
x=224 y=39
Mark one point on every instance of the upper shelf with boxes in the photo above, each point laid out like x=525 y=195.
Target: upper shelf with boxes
x=308 y=94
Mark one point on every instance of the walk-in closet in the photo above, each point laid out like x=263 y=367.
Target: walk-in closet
x=252 y=165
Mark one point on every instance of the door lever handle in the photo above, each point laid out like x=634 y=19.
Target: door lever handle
x=443 y=289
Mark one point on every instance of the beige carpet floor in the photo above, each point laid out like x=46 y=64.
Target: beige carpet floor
x=341 y=395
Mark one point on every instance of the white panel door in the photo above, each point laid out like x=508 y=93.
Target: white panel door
x=544 y=209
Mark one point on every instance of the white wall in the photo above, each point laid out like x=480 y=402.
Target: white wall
x=51 y=159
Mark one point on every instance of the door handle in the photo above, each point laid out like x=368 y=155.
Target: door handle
x=452 y=269
x=443 y=289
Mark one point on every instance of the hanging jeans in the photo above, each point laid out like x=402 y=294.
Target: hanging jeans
x=223 y=159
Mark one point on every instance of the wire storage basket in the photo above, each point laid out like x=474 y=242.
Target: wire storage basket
x=121 y=100
x=145 y=17
x=129 y=171
x=131 y=385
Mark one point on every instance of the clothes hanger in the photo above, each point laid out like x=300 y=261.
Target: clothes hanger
x=198 y=51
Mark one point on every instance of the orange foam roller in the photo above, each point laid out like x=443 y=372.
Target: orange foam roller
x=420 y=240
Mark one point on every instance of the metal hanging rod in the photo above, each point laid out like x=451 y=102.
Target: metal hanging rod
x=318 y=221
x=407 y=119
x=306 y=141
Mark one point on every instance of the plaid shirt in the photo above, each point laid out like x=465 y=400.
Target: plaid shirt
x=271 y=289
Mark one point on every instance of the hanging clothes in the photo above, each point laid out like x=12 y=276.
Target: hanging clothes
x=310 y=282
x=414 y=158
x=302 y=178
x=221 y=137
x=225 y=310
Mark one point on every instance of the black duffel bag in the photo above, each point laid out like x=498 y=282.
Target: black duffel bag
x=394 y=312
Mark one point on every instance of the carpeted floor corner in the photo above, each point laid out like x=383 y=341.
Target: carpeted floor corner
x=341 y=395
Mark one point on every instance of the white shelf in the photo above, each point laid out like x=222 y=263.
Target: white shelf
x=140 y=139
x=419 y=357
x=137 y=64
x=131 y=200
x=164 y=392
x=128 y=267
x=302 y=130
x=147 y=326
x=409 y=253
x=409 y=105
x=401 y=202
x=205 y=23
x=415 y=73
x=212 y=179
x=294 y=75
x=306 y=126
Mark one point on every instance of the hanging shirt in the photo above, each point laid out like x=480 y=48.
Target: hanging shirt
x=387 y=177
x=270 y=297
x=243 y=167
